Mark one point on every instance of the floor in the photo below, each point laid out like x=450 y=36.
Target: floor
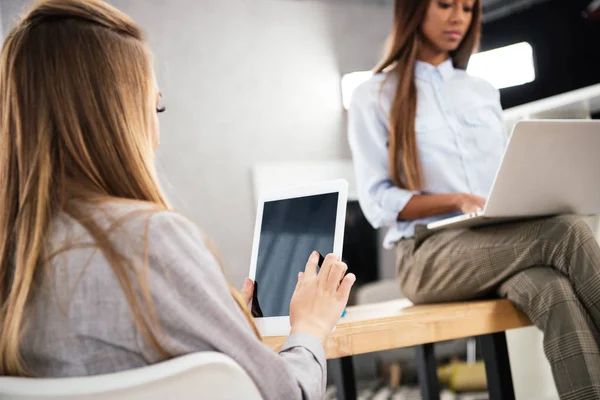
x=377 y=390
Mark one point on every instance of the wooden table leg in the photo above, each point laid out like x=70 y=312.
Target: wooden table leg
x=497 y=366
x=427 y=369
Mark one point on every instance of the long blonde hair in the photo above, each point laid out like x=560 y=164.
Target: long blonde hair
x=77 y=103
x=400 y=57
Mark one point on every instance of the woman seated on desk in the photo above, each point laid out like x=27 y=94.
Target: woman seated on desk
x=427 y=139
x=97 y=274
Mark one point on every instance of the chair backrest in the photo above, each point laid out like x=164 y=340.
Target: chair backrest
x=205 y=375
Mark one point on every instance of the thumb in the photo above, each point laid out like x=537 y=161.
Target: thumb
x=247 y=290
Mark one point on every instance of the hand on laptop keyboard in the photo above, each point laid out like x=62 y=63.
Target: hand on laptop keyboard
x=469 y=203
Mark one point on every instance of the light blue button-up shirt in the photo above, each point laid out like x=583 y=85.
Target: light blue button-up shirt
x=460 y=136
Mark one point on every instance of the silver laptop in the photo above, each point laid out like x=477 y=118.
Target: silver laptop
x=550 y=167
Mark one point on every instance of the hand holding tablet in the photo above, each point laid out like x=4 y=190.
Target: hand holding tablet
x=320 y=298
x=291 y=223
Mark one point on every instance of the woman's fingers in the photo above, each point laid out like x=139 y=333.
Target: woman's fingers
x=328 y=263
x=247 y=290
x=343 y=291
x=336 y=274
x=330 y=275
x=310 y=271
x=480 y=201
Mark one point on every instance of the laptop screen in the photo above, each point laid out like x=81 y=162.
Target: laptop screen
x=291 y=230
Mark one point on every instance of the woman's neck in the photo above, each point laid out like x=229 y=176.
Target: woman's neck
x=432 y=56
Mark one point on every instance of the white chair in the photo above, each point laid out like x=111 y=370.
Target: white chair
x=205 y=375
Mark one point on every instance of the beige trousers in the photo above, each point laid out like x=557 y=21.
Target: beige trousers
x=550 y=268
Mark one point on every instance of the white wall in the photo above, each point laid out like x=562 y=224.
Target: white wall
x=8 y=12
x=246 y=82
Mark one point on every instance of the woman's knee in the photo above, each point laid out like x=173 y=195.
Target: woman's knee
x=537 y=290
x=559 y=237
x=570 y=225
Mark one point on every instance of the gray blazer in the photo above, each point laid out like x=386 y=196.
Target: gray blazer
x=79 y=323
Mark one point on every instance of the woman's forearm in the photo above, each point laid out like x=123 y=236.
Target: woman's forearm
x=429 y=205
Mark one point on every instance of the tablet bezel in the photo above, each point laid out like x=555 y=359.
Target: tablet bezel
x=280 y=326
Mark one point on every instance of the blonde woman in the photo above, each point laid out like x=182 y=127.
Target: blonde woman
x=97 y=274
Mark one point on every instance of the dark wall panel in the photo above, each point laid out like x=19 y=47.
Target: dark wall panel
x=566 y=48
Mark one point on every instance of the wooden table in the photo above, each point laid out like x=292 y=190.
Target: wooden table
x=395 y=324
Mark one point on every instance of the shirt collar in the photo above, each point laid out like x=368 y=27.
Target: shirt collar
x=426 y=71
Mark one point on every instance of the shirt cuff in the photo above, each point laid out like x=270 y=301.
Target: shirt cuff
x=309 y=342
x=393 y=201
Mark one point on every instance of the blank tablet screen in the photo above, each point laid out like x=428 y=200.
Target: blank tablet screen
x=291 y=230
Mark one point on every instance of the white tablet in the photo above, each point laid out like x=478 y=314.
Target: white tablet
x=291 y=223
